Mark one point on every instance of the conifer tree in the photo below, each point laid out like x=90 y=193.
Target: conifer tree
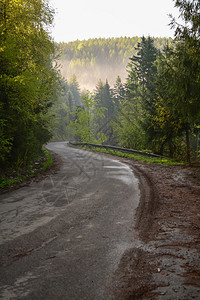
x=103 y=94
x=75 y=90
x=140 y=83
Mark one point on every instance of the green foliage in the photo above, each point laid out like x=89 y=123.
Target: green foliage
x=134 y=122
x=119 y=92
x=28 y=81
x=178 y=81
x=84 y=127
x=142 y=64
x=5 y=143
x=48 y=160
x=162 y=103
x=62 y=110
x=139 y=157
x=111 y=50
x=103 y=94
x=189 y=13
x=99 y=58
x=127 y=126
x=7 y=180
x=75 y=91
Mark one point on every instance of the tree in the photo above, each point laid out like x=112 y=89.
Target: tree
x=84 y=127
x=178 y=82
x=70 y=100
x=143 y=63
x=141 y=87
x=119 y=93
x=189 y=13
x=28 y=81
x=127 y=125
x=103 y=94
x=100 y=58
x=60 y=113
x=75 y=90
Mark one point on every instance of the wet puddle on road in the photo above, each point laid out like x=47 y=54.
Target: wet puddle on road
x=120 y=172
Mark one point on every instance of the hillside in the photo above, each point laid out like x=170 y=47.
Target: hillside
x=100 y=58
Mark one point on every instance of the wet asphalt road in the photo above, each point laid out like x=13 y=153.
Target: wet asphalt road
x=62 y=238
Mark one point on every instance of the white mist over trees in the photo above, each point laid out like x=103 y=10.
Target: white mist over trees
x=101 y=58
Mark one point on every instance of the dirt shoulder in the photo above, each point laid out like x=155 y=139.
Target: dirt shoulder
x=165 y=264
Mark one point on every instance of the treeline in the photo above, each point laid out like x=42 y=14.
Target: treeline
x=69 y=100
x=29 y=83
x=75 y=106
x=158 y=107
x=110 y=50
x=100 y=58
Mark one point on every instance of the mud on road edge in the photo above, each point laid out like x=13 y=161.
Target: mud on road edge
x=165 y=263
x=133 y=278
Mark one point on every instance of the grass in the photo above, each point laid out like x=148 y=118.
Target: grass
x=48 y=161
x=157 y=160
x=16 y=177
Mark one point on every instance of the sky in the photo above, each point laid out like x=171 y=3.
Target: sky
x=84 y=19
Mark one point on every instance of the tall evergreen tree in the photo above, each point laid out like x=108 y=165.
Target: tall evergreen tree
x=178 y=80
x=142 y=66
x=75 y=89
x=70 y=100
x=140 y=83
x=103 y=93
x=119 y=93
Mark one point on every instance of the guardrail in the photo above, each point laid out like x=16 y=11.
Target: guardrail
x=125 y=150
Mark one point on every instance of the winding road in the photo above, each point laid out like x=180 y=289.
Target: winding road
x=63 y=237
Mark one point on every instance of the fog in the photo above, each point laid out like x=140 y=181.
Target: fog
x=89 y=75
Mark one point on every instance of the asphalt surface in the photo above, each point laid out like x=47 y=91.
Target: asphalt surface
x=63 y=237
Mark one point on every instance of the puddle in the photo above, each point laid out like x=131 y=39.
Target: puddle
x=120 y=172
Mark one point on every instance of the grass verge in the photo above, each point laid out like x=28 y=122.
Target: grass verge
x=13 y=177
x=48 y=161
x=157 y=160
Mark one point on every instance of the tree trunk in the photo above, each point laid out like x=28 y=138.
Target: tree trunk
x=160 y=152
x=197 y=144
x=188 y=145
x=171 y=150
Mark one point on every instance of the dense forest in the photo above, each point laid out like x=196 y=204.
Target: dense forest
x=157 y=108
x=29 y=84
x=151 y=101
x=100 y=58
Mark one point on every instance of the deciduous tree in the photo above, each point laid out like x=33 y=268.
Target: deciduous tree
x=28 y=81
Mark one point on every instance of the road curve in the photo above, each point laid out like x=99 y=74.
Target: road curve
x=62 y=238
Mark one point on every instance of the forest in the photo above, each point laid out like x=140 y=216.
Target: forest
x=157 y=106
x=151 y=101
x=29 y=83
x=100 y=58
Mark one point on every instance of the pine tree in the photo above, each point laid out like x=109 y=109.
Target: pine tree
x=118 y=92
x=178 y=81
x=75 y=89
x=104 y=95
x=140 y=83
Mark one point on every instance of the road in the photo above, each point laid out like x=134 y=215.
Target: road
x=63 y=237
